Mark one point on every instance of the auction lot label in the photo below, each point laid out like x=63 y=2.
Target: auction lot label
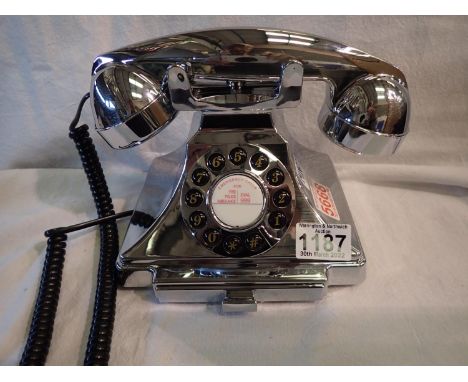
x=331 y=242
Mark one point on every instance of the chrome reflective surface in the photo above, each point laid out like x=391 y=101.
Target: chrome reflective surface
x=129 y=107
x=244 y=93
x=249 y=70
x=181 y=269
x=369 y=117
x=239 y=301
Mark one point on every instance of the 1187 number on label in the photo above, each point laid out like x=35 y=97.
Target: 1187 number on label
x=323 y=241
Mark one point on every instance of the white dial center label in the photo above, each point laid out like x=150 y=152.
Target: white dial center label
x=237 y=201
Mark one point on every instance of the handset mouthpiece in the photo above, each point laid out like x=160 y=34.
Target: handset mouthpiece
x=369 y=117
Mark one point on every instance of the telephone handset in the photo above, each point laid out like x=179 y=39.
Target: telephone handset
x=226 y=209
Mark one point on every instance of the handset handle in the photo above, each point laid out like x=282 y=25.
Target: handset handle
x=286 y=92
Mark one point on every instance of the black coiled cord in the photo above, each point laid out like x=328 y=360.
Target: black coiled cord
x=100 y=335
x=42 y=324
x=99 y=341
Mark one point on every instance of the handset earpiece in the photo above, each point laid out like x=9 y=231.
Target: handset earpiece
x=129 y=105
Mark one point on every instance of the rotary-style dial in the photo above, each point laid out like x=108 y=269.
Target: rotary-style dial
x=237 y=200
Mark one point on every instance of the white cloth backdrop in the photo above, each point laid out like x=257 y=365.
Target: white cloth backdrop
x=411 y=210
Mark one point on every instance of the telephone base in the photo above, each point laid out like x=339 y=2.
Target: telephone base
x=177 y=261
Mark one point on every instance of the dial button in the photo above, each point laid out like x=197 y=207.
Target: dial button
x=254 y=242
x=277 y=220
x=193 y=198
x=237 y=156
x=275 y=177
x=200 y=177
x=282 y=198
x=259 y=161
x=216 y=162
x=197 y=219
x=232 y=244
x=212 y=236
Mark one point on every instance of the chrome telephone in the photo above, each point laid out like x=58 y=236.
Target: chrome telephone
x=225 y=208
x=236 y=216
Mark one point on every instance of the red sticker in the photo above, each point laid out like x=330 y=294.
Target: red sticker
x=323 y=200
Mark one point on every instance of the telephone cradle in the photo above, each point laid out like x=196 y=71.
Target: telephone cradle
x=224 y=209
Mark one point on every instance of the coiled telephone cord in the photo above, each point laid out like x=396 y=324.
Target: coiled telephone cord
x=100 y=335
x=42 y=323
